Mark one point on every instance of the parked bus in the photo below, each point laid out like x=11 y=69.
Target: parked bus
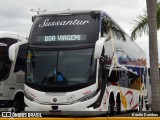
x=74 y=63
x=13 y=50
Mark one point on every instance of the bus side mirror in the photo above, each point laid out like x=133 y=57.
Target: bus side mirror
x=12 y=51
x=99 y=47
x=34 y=17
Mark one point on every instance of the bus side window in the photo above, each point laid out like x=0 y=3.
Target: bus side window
x=2 y=70
x=103 y=27
x=134 y=81
x=4 y=58
x=123 y=80
x=5 y=63
x=114 y=77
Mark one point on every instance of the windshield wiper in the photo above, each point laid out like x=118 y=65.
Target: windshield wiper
x=78 y=82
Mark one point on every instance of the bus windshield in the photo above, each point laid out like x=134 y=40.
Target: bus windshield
x=1 y=63
x=59 y=30
x=4 y=63
x=61 y=68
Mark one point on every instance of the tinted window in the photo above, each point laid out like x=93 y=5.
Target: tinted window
x=126 y=59
x=62 y=30
x=114 y=76
x=8 y=41
x=62 y=70
x=21 y=58
x=123 y=78
x=2 y=70
x=5 y=63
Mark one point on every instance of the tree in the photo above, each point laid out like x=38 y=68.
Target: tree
x=153 y=52
x=149 y=20
x=141 y=24
x=109 y=26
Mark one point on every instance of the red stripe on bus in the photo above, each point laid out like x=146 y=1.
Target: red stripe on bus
x=134 y=106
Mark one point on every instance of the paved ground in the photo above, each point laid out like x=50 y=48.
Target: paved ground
x=126 y=114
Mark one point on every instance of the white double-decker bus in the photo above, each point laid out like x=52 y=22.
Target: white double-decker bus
x=75 y=62
x=13 y=50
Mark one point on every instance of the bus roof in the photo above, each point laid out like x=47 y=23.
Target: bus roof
x=70 y=12
x=14 y=35
x=66 y=12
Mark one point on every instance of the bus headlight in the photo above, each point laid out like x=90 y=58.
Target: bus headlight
x=28 y=96
x=89 y=96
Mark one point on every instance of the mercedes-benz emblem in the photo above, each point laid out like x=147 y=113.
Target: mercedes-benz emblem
x=54 y=99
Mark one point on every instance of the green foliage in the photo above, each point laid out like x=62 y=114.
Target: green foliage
x=109 y=26
x=141 y=24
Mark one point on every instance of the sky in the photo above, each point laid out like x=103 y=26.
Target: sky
x=15 y=15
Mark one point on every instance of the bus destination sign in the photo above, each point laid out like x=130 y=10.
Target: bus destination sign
x=54 y=38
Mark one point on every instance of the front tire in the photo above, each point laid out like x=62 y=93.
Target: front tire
x=18 y=106
x=111 y=107
x=140 y=105
x=118 y=107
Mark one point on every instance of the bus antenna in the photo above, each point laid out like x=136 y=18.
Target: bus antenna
x=38 y=11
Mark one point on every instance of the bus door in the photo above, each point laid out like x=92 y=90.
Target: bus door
x=123 y=79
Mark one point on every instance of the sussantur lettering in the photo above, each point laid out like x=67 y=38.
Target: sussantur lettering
x=47 y=23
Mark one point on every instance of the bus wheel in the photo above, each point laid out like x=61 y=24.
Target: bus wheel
x=18 y=103
x=140 y=105
x=111 y=107
x=18 y=106
x=142 y=102
x=118 y=106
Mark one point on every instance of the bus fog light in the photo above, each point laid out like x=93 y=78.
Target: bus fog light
x=91 y=108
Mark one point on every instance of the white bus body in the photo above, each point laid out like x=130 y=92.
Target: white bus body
x=12 y=62
x=70 y=65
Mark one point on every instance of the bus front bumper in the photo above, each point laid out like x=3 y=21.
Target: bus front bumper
x=76 y=108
